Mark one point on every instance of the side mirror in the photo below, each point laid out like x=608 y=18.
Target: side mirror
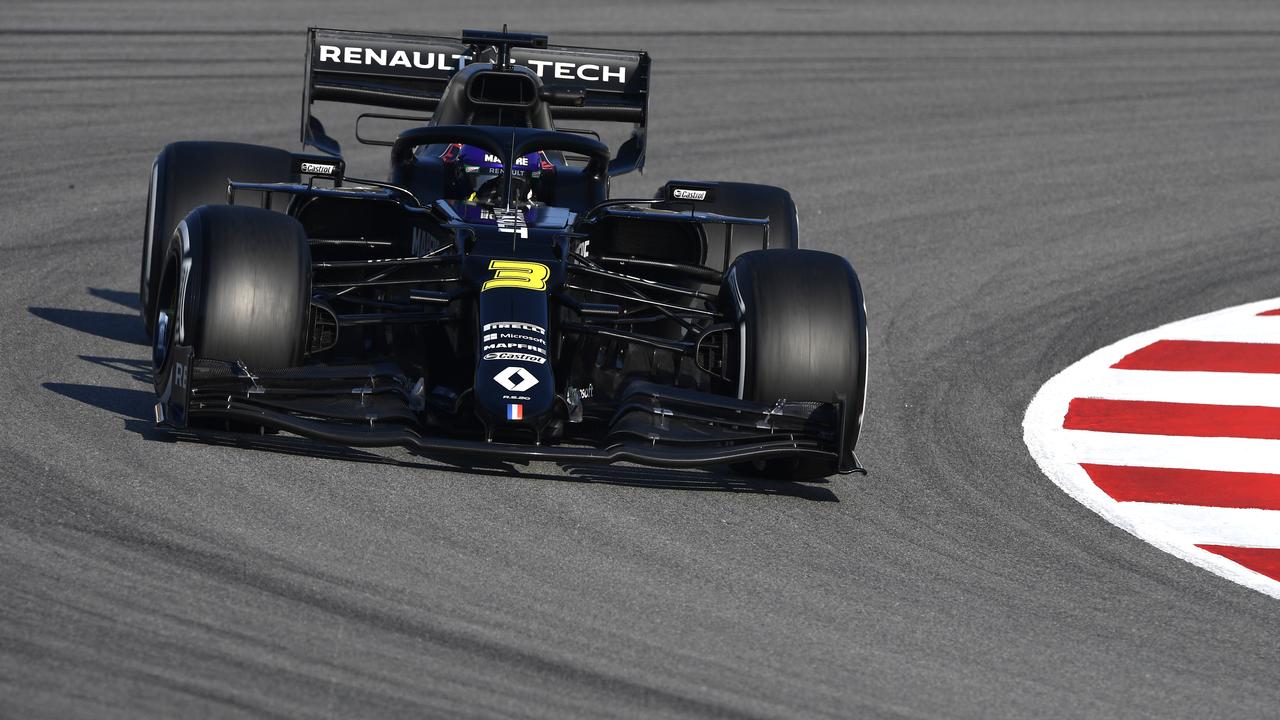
x=317 y=138
x=630 y=155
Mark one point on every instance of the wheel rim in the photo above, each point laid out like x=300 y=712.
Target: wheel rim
x=160 y=348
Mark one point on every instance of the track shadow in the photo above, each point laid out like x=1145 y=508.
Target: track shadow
x=124 y=298
x=290 y=445
x=137 y=370
x=695 y=480
x=135 y=404
x=112 y=326
x=651 y=478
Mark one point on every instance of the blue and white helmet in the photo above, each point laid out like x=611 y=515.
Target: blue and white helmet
x=483 y=176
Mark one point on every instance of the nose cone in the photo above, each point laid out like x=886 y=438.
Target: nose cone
x=514 y=383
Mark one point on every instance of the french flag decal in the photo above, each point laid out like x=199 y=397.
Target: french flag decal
x=515 y=411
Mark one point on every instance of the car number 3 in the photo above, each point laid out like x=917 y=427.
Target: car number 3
x=517 y=274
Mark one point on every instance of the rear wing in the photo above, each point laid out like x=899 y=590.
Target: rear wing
x=410 y=72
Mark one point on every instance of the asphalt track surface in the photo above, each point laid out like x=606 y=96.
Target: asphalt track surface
x=1017 y=184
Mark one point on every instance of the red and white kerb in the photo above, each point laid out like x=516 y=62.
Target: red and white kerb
x=1174 y=435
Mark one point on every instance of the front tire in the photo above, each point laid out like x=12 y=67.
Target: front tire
x=802 y=336
x=185 y=176
x=236 y=287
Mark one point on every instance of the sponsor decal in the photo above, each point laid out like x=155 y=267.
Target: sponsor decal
x=519 y=357
x=515 y=379
x=521 y=326
x=423 y=242
x=510 y=347
x=517 y=274
x=179 y=375
x=522 y=161
x=696 y=192
x=512 y=222
x=558 y=70
x=515 y=411
x=688 y=194
x=430 y=60
x=513 y=346
x=316 y=165
x=318 y=168
x=386 y=57
x=523 y=342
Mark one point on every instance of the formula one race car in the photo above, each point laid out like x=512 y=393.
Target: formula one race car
x=489 y=298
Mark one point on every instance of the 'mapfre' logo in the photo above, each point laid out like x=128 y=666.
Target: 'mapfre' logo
x=522 y=161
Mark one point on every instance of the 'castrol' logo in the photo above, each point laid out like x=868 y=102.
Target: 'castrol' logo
x=318 y=168
x=683 y=194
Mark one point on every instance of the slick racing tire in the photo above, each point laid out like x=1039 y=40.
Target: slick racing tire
x=236 y=286
x=187 y=175
x=802 y=336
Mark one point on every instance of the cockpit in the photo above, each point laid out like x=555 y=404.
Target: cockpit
x=474 y=175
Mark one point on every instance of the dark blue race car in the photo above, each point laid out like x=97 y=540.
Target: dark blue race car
x=489 y=298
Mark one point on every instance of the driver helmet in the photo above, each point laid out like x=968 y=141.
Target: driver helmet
x=481 y=176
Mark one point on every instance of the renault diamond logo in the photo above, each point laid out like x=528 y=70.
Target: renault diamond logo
x=516 y=379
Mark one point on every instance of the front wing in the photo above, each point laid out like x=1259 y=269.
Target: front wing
x=378 y=406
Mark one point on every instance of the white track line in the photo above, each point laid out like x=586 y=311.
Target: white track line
x=1172 y=528
x=1207 y=388
x=1210 y=525
x=1226 y=454
x=1249 y=328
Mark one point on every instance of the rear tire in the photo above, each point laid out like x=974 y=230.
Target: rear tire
x=802 y=337
x=185 y=176
x=246 y=292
